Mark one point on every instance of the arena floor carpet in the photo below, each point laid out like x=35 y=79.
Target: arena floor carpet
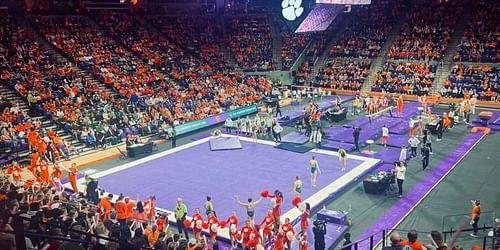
x=192 y=172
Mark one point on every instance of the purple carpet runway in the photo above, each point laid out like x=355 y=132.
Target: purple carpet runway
x=392 y=217
x=195 y=172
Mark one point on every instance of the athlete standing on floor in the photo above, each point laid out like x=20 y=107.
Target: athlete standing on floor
x=314 y=168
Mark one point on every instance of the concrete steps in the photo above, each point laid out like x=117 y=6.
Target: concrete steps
x=379 y=61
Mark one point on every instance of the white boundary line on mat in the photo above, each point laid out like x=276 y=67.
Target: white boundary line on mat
x=293 y=213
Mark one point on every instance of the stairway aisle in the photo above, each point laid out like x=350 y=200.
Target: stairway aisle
x=277 y=44
x=444 y=71
x=379 y=61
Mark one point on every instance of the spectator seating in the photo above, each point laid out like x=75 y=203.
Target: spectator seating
x=343 y=73
x=426 y=32
x=251 y=42
x=480 y=80
x=292 y=44
x=481 y=41
x=413 y=78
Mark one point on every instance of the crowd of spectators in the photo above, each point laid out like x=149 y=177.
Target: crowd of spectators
x=251 y=42
x=481 y=41
x=343 y=73
x=482 y=81
x=426 y=32
x=292 y=44
x=367 y=32
x=150 y=94
x=412 y=78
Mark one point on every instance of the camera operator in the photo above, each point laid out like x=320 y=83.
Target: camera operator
x=319 y=230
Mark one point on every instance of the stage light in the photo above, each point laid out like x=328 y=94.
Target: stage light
x=291 y=9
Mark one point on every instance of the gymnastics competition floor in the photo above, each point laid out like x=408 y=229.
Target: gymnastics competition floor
x=192 y=171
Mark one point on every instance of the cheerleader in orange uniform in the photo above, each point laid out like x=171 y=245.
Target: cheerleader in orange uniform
x=400 y=104
x=303 y=244
x=246 y=231
x=279 y=241
x=268 y=224
x=72 y=176
x=139 y=215
x=150 y=207
x=213 y=226
x=254 y=241
x=289 y=233
x=34 y=161
x=278 y=196
x=197 y=224
x=304 y=218
x=232 y=221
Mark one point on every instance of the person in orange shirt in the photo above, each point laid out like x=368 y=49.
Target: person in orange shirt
x=56 y=177
x=72 y=176
x=475 y=214
x=129 y=205
x=153 y=235
x=162 y=223
x=44 y=171
x=15 y=171
x=34 y=161
x=412 y=241
x=105 y=206
x=400 y=104
x=268 y=224
x=121 y=210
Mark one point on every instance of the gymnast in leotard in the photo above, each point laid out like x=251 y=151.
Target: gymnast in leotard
x=314 y=168
x=250 y=206
x=297 y=186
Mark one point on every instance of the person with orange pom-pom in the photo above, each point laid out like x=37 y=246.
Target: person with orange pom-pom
x=268 y=224
x=233 y=229
x=197 y=223
x=279 y=240
x=246 y=231
x=250 y=206
x=213 y=226
x=278 y=200
x=289 y=232
x=304 y=217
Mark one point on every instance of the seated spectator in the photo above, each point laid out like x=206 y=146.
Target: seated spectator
x=410 y=78
x=343 y=73
x=474 y=80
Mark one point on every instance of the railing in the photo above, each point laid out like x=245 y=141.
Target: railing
x=20 y=234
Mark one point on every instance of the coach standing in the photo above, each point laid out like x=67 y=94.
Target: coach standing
x=355 y=134
x=413 y=141
x=425 y=156
x=400 y=171
x=180 y=216
x=476 y=212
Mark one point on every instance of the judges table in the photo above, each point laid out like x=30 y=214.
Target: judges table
x=378 y=183
x=138 y=149
x=337 y=116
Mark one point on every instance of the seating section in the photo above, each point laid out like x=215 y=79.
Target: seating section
x=251 y=42
x=292 y=44
x=426 y=32
x=343 y=73
x=413 y=78
x=482 y=80
x=481 y=41
x=367 y=32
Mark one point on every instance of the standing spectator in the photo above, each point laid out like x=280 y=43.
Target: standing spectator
x=173 y=137
x=347 y=242
x=403 y=153
x=475 y=214
x=278 y=109
x=400 y=171
x=395 y=242
x=180 y=216
x=425 y=156
x=277 y=129
x=413 y=242
x=413 y=141
x=355 y=134
x=385 y=135
x=440 y=128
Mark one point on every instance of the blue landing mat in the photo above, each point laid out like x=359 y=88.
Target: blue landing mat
x=294 y=147
x=335 y=145
x=295 y=137
x=225 y=143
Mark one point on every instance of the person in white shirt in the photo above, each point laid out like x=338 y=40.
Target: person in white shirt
x=385 y=135
x=402 y=153
x=229 y=125
x=400 y=172
x=413 y=141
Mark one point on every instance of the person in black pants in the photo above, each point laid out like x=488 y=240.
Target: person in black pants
x=355 y=134
x=440 y=129
x=475 y=214
x=425 y=156
x=174 y=137
x=400 y=172
x=278 y=109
